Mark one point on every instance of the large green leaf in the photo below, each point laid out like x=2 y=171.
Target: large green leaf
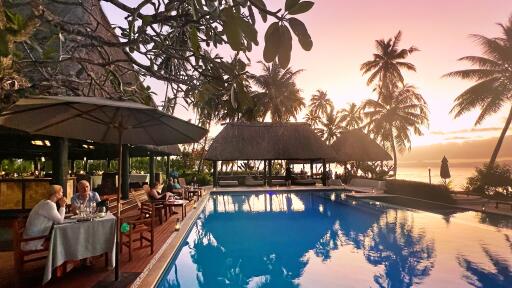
x=285 y=46
x=249 y=31
x=251 y=14
x=261 y=4
x=302 y=7
x=290 y=4
x=272 y=42
x=300 y=30
x=231 y=26
x=194 y=40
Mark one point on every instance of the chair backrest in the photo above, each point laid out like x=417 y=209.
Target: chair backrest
x=182 y=182
x=140 y=196
x=18 y=226
x=147 y=210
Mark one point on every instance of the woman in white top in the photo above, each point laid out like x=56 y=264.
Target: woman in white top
x=42 y=217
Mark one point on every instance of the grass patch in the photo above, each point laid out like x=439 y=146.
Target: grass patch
x=419 y=190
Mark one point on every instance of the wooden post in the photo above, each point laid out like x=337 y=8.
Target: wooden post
x=265 y=172
x=72 y=166
x=151 y=170
x=108 y=165
x=311 y=168
x=125 y=172
x=269 y=172
x=167 y=167
x=60 y=163
x=86 y=165
x=214 y=173
x=324 y=173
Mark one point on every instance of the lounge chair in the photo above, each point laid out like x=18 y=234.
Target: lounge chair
x=228 y=183
x=249 y=181
x=278 y=182
x=303 y=180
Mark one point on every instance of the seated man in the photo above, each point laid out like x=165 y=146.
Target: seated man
x=84 y=195
x=176 y=188
x=43 y=216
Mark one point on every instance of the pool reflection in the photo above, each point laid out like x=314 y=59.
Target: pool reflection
x=303 y=240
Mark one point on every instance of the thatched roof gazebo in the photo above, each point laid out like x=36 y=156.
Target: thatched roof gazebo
x=267 y=141
x=355 y=145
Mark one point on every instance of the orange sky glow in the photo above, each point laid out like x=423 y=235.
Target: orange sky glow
x=343 y=33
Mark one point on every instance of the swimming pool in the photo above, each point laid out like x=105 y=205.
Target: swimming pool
x=326 y=239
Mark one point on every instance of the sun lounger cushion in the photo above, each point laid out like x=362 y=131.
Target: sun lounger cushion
x=228 y=183
x=278 y=182
x=305 y=182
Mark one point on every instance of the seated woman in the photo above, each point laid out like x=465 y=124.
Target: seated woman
x=176 y=188
x=43 y=216
x=154 y=195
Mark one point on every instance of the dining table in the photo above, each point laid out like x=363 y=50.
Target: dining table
x=75 y=239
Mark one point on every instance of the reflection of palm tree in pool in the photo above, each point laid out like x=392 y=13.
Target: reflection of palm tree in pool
x=478 y=276
x=407 y=257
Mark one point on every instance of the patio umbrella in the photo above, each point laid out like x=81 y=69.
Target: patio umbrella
x=445 y=170
x=100 y=120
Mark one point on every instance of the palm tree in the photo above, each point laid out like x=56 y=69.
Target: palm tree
x=312 y=118
x=351 y=117
x=320 y=103
x=386 y=64
x=280 y=96
x=331 y=126
x=392 y=123
x=493 y=74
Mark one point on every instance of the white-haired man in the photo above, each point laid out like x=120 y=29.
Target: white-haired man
x=84 y=195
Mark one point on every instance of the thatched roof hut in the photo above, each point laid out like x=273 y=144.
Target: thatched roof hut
x=90 y=69
x=355 y=145
x=268 y=141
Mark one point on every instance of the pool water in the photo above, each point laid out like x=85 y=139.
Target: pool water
x=327 y=239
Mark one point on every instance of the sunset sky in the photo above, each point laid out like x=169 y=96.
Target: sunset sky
x=344 y=32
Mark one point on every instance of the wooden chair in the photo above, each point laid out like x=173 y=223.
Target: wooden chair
x=141 y=230
x=22 y=257
x=141 y=196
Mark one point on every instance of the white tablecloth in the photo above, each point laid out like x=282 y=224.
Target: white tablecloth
x=79 y=240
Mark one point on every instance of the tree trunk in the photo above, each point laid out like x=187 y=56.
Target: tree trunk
x=394 y=154
x=500 y=140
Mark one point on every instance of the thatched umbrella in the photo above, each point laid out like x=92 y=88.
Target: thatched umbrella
x=355 y=145
x=445 y=170
x=268 y=141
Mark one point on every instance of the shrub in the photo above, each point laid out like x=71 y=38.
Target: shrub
x=420 y=190
x=495 y=181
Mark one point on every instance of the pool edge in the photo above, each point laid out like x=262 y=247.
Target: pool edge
x=153 y=271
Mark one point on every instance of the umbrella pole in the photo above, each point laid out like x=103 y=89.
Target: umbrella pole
x=118 y=230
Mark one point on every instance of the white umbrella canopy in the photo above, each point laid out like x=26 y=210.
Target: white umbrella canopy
x=100 y=120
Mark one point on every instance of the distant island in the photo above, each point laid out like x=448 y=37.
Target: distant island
x=477 y=150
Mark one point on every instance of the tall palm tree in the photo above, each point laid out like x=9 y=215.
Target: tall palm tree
x=392 y=123
x=280 y=96
x=493 y=74
x=386 y=64
x=351 y=117
x=320 y=103
x=330 y=127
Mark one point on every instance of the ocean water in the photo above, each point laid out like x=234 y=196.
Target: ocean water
x=460 y=170
x=420 y=173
